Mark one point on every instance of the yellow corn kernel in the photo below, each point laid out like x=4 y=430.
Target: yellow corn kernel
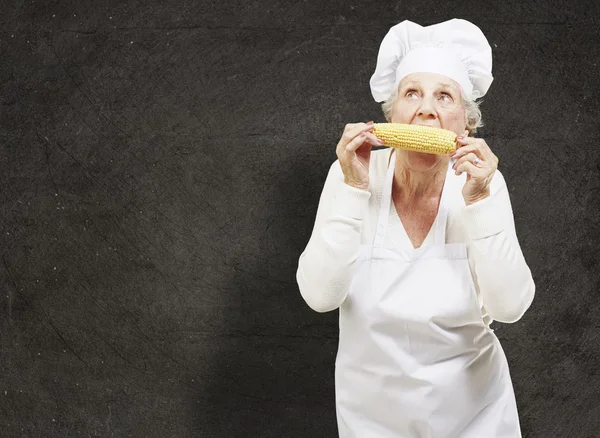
x=416 y=137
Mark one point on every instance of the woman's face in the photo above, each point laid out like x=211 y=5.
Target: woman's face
x=429 y=99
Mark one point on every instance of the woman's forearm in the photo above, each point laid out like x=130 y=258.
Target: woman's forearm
x=500 y=272
x=325 y=267
x=503 y=277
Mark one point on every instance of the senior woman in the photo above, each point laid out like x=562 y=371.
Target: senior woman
x=419 y=253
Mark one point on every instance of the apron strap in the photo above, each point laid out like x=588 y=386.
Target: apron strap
x=442 y=216
x=386 y=201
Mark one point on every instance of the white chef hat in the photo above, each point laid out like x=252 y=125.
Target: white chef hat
x=455 y=48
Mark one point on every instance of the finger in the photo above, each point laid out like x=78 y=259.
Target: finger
x=463 y=146
x=356 y=142
x=350 y=126
x=371 y=138
x=358 y=129
x=467 y=140
x=459 y=154
x=466 y=150
x=478 y=145
x=471 y=169
x=471 y=157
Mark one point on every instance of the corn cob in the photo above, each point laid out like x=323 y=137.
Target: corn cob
x=416 y=137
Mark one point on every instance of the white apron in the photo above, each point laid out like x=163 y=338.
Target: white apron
x=415 y=358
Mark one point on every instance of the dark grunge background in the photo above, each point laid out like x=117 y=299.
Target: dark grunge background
x=160 y=169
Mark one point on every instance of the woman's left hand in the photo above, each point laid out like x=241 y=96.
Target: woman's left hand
x=476 y=158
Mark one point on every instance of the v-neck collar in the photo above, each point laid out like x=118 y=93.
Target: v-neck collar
x=438 y=227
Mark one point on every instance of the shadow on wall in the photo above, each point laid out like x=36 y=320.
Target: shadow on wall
x=272 y=364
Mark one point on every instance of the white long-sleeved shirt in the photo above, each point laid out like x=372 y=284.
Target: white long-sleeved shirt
x=347 y=217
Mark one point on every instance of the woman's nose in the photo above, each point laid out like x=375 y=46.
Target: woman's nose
x=426 y=109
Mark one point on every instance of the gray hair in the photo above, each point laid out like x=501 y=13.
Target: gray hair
x=472 y=111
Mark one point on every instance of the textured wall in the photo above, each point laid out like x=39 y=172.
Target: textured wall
x=160 y=169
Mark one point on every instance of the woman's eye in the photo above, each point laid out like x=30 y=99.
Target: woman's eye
x=446 y=97
x=411 y=93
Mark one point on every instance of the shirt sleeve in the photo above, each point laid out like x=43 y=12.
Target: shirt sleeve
x=501 y=276
x=325 y=267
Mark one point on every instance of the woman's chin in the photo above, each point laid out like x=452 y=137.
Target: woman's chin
x=421 y=162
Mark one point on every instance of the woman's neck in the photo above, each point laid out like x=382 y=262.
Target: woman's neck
x=414 y=186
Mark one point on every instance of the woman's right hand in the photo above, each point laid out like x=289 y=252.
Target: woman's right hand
x=354 y=153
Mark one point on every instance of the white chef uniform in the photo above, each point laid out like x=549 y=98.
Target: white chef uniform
x=415 y=358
